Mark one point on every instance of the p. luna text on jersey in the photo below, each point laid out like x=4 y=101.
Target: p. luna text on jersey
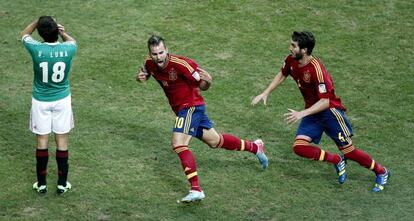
x=55 y=54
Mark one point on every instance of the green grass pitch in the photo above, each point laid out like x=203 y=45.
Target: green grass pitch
x=121 y=163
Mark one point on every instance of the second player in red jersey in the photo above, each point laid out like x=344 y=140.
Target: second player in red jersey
x=323 y=112
x=313 y=80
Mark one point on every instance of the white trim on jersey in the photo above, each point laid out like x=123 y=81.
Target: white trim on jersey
x=29 y=39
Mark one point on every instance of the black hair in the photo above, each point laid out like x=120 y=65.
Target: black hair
x=305 y=39
x=48 y=29
x=155 y=40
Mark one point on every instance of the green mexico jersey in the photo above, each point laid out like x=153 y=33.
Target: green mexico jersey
x=51 y=65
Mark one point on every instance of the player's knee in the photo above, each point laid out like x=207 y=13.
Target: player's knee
x=212 y=140
x=173 y=145
x=299 y=146
x=212 y=143
x=176 y=142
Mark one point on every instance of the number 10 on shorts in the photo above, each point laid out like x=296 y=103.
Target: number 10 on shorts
x=179 y=122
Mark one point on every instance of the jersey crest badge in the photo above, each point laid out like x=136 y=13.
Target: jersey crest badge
x=172 y=75
x=322 y=88
x=306 y=77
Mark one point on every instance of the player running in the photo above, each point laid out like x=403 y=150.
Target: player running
x=182 y=79
x=323 y=112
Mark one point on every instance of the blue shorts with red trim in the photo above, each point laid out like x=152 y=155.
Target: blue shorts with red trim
x=192 y=121
x=331 y=121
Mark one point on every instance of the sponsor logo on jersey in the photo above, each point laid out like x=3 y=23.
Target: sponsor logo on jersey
x=172 y=74
x=322 y=88
x=306 y=77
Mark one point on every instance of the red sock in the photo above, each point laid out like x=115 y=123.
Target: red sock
x=230 y=142
x=189 y=165
x=363 y=158
x=304 y=149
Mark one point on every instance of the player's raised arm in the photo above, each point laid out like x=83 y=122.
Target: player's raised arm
x=272 y=86
x=205 y=78
x=142 y=75
x=29 y=29
x=65 y=36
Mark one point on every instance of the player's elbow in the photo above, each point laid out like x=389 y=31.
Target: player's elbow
x=22 y=34
x=325 y=102
x=204 y=85
x=204 y=88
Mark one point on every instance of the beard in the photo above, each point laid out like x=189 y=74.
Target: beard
x=297 y=56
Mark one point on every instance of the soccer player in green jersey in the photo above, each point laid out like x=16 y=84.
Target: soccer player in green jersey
x=51 y=109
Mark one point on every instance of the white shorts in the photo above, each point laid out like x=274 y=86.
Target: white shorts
x=56 y=116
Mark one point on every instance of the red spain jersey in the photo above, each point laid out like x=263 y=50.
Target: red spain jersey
x=313 y=80
x=179 y=79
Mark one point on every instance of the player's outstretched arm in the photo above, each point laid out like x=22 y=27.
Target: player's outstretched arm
x=65 y=36
x=206 y=79
x=272 y=86
x=29 y=29
x=294 y=116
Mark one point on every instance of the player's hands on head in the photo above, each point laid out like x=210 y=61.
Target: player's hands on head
x=61 y=28
x=260 y=97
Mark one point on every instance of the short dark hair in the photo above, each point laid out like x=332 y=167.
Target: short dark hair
x=155 y=40
x=305 y=39
x=47 y=29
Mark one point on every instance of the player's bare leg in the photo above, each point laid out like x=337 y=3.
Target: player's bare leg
x=62 y=156
x=42 y=141
x=211 y=137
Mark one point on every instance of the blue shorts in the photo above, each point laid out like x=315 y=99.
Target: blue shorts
x=192 y=121
x=331 y=121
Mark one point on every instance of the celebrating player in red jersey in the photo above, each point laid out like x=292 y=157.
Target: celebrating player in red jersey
x=323 y=112
x=181 y=79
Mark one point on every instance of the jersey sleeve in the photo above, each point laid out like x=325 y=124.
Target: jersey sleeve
x=322 y=80
x=286 y=66
x=30 y=43
x=71 y=46
x=189 y=70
